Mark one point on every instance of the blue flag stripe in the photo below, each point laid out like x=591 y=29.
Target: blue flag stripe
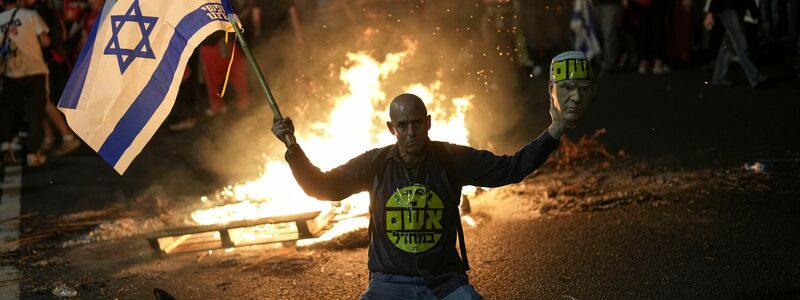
x=72 y=91
x=148 y=101
x=226 y=5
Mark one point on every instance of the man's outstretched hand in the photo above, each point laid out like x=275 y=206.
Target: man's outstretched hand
x=283 y=128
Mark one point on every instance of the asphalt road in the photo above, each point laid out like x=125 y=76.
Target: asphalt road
x=738 y=244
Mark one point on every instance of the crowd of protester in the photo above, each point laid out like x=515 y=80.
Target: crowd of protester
x=644 y=36
x=650 y=36
x=41 y=42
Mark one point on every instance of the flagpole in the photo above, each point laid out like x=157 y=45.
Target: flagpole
x=288 y=139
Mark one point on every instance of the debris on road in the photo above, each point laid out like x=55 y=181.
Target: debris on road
x=596 y=185
x=586 y=148
x=61 y=290
x=53 y=261
x=120 y=228
x=756 y=167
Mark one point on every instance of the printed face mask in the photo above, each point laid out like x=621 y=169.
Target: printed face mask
x=414 y=218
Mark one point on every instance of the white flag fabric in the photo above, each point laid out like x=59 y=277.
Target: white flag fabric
x=127 y=76
x=584 y=24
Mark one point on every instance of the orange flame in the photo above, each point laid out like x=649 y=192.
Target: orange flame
x=349 y=128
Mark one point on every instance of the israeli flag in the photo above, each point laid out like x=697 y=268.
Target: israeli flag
x=128 y=73
x=584 y=24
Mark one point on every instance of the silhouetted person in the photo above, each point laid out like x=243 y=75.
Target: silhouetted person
x=730 y=14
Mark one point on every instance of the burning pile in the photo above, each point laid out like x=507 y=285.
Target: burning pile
x=349 y=129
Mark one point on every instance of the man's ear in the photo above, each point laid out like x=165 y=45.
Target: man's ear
x=428 y=122
x=390 y=126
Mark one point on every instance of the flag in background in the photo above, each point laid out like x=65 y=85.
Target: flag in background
x=128 y=73
x=584 y=24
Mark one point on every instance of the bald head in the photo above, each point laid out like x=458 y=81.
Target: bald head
x=407 y=104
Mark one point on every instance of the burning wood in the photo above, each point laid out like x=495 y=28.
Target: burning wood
x=241 y=233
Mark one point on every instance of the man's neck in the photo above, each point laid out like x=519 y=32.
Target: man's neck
x=411 y=160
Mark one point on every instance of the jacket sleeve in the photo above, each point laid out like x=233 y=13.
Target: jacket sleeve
x=334 y=185
x=483 y=168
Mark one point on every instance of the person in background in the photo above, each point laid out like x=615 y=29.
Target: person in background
x=87 y=21
x=609 y=16
x=730 y=13
x=72 y=13
x=680 y=34
x=56 y=57
x=651 y=35
x=23 y=33
x=215 y=56
x=184 y=113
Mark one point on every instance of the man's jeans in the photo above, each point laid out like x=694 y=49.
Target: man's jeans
x=734 y=38
x=389 y=287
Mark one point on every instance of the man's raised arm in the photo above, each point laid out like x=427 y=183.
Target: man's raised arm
x=334 y=185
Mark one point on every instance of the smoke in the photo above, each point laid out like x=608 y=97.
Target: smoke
x=451 y=48
x=457 y=44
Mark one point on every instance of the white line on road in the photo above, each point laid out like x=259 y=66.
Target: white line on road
x=9 y=229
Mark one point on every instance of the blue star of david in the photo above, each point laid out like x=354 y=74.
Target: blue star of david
x=126 y=56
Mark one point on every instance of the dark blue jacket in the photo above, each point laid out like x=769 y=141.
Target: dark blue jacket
x=414 y=219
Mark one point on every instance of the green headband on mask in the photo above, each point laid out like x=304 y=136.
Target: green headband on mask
x=570 y=65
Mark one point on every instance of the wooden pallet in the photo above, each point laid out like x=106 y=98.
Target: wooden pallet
x=217 y=236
